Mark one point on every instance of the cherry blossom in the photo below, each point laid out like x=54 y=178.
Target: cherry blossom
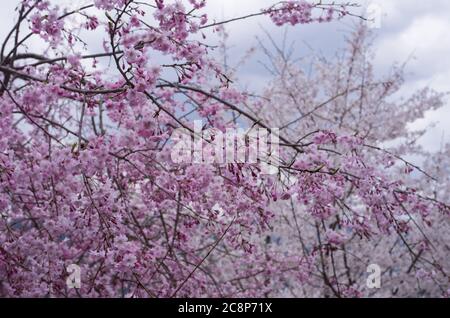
x=87 y=175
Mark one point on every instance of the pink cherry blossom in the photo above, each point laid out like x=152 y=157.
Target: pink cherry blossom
x=94 y=163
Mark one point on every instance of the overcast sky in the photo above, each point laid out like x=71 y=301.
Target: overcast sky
x=409 y=28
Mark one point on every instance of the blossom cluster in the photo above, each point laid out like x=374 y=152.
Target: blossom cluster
x=87 y=176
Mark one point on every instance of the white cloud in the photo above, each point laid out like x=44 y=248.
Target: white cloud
x=426 y=38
